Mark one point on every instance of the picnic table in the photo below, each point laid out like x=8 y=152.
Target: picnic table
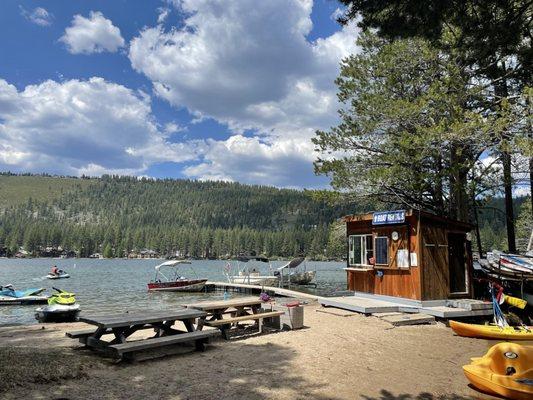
x=124 y=325
x=240 y=309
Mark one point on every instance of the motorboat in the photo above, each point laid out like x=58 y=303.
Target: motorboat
x=60 y=275
x=292 y=274
x=10 y=296
x=62 y=307
x=249 y=274
x=174 y=282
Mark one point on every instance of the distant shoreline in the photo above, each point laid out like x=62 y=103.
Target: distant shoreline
x=159 y=258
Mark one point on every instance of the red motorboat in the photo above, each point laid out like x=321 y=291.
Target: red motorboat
x=176 y=283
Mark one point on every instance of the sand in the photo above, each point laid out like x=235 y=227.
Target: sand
x=338 y=355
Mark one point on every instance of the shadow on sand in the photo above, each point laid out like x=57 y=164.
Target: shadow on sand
x=227 y=370
x=386 y=395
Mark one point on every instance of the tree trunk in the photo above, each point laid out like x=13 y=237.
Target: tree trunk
x=502 y=92
x=438 y=188
x=531 y=183
x=530 y=149
x=478 y=233
x=508 y=190
x=458 y=183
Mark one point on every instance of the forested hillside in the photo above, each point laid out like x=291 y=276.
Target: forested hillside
x=118 y=215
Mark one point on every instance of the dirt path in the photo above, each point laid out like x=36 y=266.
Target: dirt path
x=335 y=357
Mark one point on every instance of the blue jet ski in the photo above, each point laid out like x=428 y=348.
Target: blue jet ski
x=8 y=295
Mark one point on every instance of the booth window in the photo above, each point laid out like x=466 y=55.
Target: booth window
x=361 y=250
x=382 y=250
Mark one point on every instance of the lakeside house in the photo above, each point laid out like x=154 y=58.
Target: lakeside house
x=145 y=253
x=410 y=254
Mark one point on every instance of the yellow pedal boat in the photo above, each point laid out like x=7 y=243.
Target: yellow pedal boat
x=506 y=370
x=492 y=331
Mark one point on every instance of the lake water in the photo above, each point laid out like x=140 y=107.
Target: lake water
x=117 y=285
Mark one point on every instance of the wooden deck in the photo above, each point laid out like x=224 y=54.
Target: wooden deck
x=381 y=304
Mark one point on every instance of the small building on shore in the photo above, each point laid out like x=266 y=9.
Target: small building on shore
x=410 y=254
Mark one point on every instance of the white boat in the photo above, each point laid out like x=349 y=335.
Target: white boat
x=250 y=275
x=290 y=274
x=175 y=282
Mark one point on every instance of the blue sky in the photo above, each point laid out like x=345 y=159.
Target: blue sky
x=203 y=89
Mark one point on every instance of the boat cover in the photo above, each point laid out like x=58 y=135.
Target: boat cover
x=293 y=263
x=248 y=258
x=172 y=263
x=21 y=293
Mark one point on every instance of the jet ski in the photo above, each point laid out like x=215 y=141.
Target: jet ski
x=10 y=296
x=60 y=275
x=61 y=307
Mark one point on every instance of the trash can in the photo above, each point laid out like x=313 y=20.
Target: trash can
x=295 y=314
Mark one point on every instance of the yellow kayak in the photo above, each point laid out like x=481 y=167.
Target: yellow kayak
x=492 y=331
x=506 y=370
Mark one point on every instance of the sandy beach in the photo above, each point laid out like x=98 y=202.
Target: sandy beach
x=339 y=355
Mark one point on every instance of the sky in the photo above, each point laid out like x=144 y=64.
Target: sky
x=202 y=89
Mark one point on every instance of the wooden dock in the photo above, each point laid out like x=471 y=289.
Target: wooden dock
x=257 y=289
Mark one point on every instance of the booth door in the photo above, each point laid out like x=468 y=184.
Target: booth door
x=457 y=263
x=435 y=279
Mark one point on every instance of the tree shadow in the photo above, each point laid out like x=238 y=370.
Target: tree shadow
x=227 y=370
x=386 y=395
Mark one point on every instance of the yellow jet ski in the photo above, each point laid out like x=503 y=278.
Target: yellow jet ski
x=61 y=307
x=506 y=370
x=492 y=331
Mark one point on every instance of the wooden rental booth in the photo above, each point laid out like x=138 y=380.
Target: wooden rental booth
x=410 y=254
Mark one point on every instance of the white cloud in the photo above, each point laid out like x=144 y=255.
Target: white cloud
x=78 y=127
x=39 y=16
x=250 y=160
x=163 y=14
x=248 y=65
x=95 y=34
x=172 y=127
x=335 y=15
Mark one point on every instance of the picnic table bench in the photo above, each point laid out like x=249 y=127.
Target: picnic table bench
x=124 y=325
x=242 y=309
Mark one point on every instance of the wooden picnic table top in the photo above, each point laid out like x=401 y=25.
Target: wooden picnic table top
x=223 y=304
x=145 y=317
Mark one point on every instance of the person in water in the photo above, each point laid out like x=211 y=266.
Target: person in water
x=55 y=271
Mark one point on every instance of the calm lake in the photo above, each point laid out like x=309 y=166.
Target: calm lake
x=117 y=285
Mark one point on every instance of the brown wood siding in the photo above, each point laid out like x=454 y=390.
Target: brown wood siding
x=394 y=282
x=435 y=283
x=427 y=281
x=398 y=283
